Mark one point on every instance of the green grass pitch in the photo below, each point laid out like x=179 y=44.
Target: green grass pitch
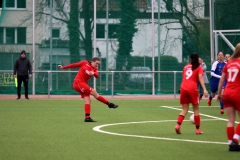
x=55 y=130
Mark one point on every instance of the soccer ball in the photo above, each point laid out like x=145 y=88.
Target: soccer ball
x=192 y=118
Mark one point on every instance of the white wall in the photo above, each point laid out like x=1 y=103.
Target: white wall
x=170 y=41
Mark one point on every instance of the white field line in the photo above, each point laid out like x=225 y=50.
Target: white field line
x=98 y=129
x=223 y=119
x=199 y=106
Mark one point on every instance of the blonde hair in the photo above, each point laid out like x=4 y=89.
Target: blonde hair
x=236 y=53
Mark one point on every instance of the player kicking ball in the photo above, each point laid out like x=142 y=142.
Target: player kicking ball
x=80 y=84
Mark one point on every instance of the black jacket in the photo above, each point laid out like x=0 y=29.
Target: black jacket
x=22 y=66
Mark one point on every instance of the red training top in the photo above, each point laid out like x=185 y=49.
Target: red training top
x=190 y=77
x=83 y=73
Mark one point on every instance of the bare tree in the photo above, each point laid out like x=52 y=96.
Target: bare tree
x=68 y=12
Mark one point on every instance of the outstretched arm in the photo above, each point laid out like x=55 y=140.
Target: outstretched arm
x=60 y=66
x=73 y=65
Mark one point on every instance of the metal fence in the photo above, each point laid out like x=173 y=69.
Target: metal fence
x=109 y=82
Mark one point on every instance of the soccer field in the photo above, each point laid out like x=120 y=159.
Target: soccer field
x=138 y=129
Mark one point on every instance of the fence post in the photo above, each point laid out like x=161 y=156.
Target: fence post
x=49 y=84
x=112 y=83
x=174 y=83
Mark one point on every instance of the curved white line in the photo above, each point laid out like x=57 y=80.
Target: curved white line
x=98 y=129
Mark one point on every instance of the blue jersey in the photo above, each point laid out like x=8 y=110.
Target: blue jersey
x=217 y=68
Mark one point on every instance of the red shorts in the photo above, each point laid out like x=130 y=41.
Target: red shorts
x=187 y=97
x=83 y=89
x=231 y=101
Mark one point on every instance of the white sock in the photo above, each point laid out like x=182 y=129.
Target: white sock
x=236 y=136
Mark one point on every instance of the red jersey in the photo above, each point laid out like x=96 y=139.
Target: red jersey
x=190 y=77
x=83 y=73
x=232 y=71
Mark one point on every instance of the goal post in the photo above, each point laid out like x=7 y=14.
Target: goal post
x=222 y=34
x=215 y=34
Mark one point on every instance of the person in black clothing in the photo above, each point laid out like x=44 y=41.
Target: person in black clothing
x=22 y=68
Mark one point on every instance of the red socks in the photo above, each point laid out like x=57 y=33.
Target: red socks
x=87 y=109
x=197 y=121
x=180 y=119
x=237 y=133
x=230 y=133
x=102 y=99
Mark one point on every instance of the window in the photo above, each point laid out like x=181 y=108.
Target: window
x=21 y=3
x=169 y=5
x=1 y=2
x=13 y=35
x=100 y=31
x=1 y=35
x=206 y=8
x=55 y=33
x=21 y=35
x=149 y=4
x=10 y=3
x=15 y=3
x=10 y=35
x=112 y=30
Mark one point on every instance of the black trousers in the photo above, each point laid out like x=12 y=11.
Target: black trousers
x=23 y=79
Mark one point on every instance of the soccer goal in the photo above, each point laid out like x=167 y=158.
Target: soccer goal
x=219 y=36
